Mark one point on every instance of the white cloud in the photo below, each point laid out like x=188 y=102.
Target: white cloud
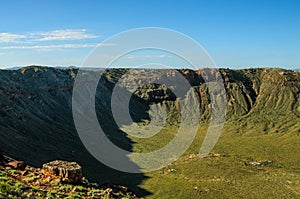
x=60 y=46
x=59 y=35
x=55 y=35
x=10 y=38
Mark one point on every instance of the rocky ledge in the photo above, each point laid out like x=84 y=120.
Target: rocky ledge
x=57 y=179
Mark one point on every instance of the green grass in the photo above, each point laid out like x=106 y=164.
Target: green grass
x=228 y=176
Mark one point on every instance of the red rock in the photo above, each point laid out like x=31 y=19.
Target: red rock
x=17 y=165
x=24 y=173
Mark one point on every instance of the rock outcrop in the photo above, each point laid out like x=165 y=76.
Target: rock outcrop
x=36 y=183
x=70 y=172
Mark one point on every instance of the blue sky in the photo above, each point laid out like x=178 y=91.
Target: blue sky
x=236 y=33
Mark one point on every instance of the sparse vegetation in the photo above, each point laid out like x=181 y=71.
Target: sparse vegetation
x=15 y=186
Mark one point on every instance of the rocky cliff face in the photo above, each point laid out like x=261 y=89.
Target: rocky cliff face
x=36 y=115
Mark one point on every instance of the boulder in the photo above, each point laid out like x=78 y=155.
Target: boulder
x=69 y=172
x=17 y=165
